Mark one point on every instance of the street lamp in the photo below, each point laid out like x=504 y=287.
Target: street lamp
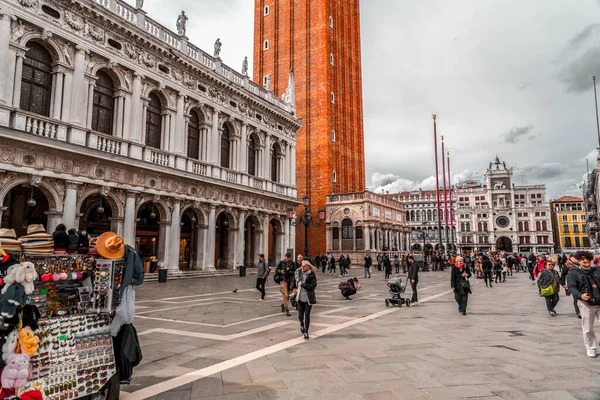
x=306 y=219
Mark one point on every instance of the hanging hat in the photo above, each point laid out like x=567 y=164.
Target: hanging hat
x=110 y=245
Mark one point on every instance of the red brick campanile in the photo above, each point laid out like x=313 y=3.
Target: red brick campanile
x=320 y=40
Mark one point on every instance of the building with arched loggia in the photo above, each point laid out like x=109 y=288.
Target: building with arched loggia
x=111 y=121
x=363 y=221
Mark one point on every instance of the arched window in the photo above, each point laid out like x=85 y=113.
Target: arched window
x=412 y=215
x=252 y=156
x=153 y=122
x=468 y=226
x=526 y=226
x=193 y=144
x=435 y=215
x=544 y=226
x=418 y=215
x=274 y=164
x=520 y=225
x=104 y=104
x=225 y=145
x=485 y=226
x=538 y=226
x=36 y=82
x=480 y=226
x=408 y=216
x=347 y=232
x=429 y=215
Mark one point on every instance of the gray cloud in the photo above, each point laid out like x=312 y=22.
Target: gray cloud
x=516 y=133
x=577 y=75
x=583 y=35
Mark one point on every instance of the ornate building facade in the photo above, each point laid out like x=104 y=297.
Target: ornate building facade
x=422 y=219
x=498 y=215
x=357 y=222
x=320 y=41
x=569 y=225
x=110 y=121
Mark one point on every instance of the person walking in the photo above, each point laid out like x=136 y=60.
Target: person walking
x=459 y=281
x=540 y=264
x=368 y=264
x=497 y=269
x=487 y=267
x=413 y=278
x=261 y=275
x=568 y=265
x=396 y=264
x=549 y=285
x=332 y=265
x=510 y=263
x=348 y=264
x=284 y=275
x=379 y=261
x=306 y=284
x=584 y=284
x=342 y=263
x=404 y=263
x=387 y=266
x=324 y=262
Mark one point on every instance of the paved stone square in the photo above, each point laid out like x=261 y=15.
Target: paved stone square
x=202 y=341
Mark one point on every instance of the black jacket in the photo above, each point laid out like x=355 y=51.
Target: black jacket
x=486 y=265
x=456 y=277
x=310 y=285
x=413 y=272
x=577 y=283
x=368 y=262
x=128 y=352
x=285 y=271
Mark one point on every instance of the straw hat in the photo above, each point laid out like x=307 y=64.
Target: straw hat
x=8 y=236
x=35 y=228
x=110 y=245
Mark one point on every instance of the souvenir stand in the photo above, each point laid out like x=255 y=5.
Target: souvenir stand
x=76 y=296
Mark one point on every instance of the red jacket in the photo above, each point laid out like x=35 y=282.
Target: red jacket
x=538 y=267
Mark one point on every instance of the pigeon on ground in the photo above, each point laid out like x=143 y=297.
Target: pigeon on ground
x=234 y=290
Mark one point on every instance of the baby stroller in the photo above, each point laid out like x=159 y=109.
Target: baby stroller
x=349 y=288
x=397 y=287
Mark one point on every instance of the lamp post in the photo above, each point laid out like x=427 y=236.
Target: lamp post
x=422 y=229
x=306 y=219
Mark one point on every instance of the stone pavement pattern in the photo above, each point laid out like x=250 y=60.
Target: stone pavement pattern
x=507 y=347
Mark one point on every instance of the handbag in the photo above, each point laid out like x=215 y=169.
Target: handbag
x=547 y=291
x=464 y=283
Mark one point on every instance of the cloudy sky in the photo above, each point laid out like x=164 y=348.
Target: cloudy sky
x=505 y=77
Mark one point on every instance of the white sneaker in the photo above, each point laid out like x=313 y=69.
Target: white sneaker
x=591 y=353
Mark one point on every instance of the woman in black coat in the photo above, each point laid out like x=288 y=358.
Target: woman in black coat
x=306 y=282
x=460 y=284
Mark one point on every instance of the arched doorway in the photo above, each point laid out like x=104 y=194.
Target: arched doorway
x=147 y=231
x=188 y=240
x=251 y=241
x=416 y=247
x=22 y=211
x=504 y=244
x=347 y=234
x=275 y=245
x=224 y=242
x=96 y=213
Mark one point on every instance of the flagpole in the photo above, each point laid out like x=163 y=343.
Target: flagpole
x=437 y=182
x=596 y=101
x=445 y=198
x=450 y=195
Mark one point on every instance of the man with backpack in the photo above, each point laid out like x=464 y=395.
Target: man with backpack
x=284 y=274
x=584 y=284
x=261 y=276
x=368 y=263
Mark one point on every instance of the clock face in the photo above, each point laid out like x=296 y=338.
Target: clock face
x=502 y=221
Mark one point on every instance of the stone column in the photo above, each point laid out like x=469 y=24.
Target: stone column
x=244 y=149
x=367 y=237
x=90 y=103
x=77 y=100
x=179 y=134
x=175 y=236
x=201 y=247
x=130 y=218
x=209 y=251
x=214 y=138
x=241 y=240
x=286 y=237
x=126 y=123
x=293 y=235
x=18 y=76
x=267 y=158
x=5 y=96
x=135 y=130
x=118 y=127
x=163 y=242
x=293 y=166
x=54 y=218
x=70 y=204
x=265 y=243
x=57 y=95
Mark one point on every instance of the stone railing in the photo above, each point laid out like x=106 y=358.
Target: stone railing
x=157 y=157
x=175 y=41
x=39 y=125
x=108 y=144
x=257 y=183
x=198 y=168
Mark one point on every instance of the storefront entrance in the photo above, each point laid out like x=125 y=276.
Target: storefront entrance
x=26 y=205
x=147 y=231
x=96 y=213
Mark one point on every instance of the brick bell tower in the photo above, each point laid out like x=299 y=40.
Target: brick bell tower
x=320 y=41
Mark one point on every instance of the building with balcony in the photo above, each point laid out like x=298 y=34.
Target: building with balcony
x=357 y=222
x=422 y=220
x=591 y=199
x=110 y=121
x=498 y=215
x=569 y=225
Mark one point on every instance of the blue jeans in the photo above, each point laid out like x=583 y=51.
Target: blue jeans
x=368 y=272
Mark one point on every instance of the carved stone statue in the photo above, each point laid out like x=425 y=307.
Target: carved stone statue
x=268 y=83
x=139 y=3
x=218 y=48
x=245 y=66
x=181 y=23
x=18 y=30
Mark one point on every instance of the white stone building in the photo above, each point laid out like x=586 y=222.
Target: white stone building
x=422 y=219
x=362 y=221
x=110 y=121
x=498 y=215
